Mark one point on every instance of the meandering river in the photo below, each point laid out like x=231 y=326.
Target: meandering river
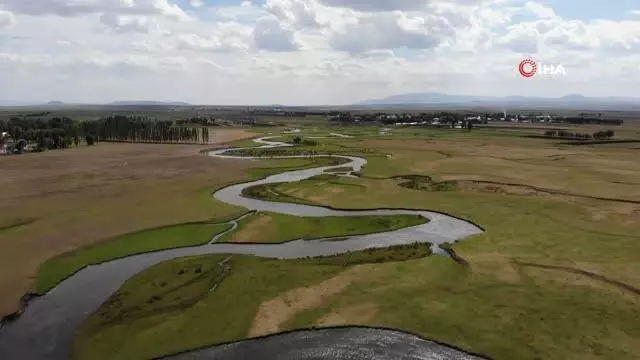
x=45 y=330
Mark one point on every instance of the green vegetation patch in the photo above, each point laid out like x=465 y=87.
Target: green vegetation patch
x=273 y=192
x=274 y=228
x=303 y=150
x=159 y=292
x=283 y=165
x=269 y=192
x=156 y=313
x=344 y=169
x=425 y=183
x=57 y=269
x=270 y=152
x=245 y=143
x=397 y=253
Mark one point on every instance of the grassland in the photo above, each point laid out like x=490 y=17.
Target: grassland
x=525 y=292
x=81 y=196
x=271 y=192
x=54 y=270
x=271 y=228
x=262 y=227
x=172 y=297
x=56 y=202
x=192 y=234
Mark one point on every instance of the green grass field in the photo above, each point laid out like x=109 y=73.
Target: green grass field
x=55 y=270
x=273 y=227
x=276 y=166
x=145 y=316
x=543 y=281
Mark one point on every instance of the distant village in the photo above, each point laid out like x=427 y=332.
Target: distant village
x=459 y=121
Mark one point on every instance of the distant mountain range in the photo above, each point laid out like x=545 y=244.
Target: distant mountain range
x=149 y=103
x=416 y=100
x=573 y=101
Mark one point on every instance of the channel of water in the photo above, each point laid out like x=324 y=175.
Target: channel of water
x=45 y=329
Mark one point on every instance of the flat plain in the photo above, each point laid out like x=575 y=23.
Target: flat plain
x=57 y=201
x=554 y=275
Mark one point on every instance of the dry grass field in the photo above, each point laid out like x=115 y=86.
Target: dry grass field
x=599 y=170
x=67 y=199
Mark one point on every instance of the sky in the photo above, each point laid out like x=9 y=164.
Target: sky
x=312 y=52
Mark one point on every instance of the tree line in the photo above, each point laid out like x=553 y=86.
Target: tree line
x=143 y=129
x=200 y=120
x=599 y=135
x=29 y=133
x=51 y=133
x=592 y=120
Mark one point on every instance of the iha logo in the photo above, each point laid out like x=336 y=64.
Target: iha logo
x=529 y=68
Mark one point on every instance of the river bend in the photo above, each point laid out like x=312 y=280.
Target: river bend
x=45 y=329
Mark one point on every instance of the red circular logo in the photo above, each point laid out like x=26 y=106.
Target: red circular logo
x=527 y=68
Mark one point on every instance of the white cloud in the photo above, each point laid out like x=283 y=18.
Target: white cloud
x=67 y=8
x=298 y=13
x=302 y=51
x=125 y=23
x=391 y=31
x=7 y=19
x=225 y=43
x=377 y=5
x=272 y=35
x=539 y=9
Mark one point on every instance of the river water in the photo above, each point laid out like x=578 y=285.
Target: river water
x=45 y=329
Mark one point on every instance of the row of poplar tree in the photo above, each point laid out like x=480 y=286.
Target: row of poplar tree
x=63 y=132
x=141 y=129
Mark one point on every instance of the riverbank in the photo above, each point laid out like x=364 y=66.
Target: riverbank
x=68 y=199
x=66 y=310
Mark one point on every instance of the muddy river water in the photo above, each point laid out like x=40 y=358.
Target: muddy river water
x=45 y=329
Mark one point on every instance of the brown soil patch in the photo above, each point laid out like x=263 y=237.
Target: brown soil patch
x=626 y=214
x=275 y=312
x=256 y=228
x=83 y=195
x=350 y=315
